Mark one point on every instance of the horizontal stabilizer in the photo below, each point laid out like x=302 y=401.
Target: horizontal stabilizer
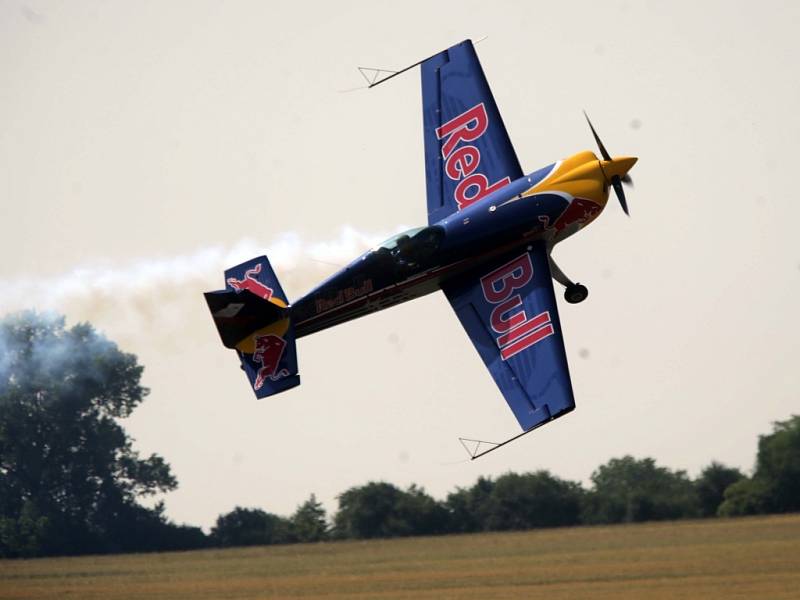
x=239 y=314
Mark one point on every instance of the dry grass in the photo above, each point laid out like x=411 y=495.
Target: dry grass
x=742 y=558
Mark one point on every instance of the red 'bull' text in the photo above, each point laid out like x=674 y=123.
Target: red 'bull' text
x=514 y=330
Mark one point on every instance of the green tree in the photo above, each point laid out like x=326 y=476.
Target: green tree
x=748 y=496
x=775 y=484
x=423 y=514
x=778 y=465
x=469 y=507
x=627 y=490
x=69 y=476
x=381 y=510
x=710 y=486
x=308 y=521
x=528 y=500
x=23 y=534
x=367 y=512
x=251 y=527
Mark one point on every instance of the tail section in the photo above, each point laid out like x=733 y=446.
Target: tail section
x=253 y=317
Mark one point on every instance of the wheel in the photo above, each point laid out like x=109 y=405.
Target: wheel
x=576 y=293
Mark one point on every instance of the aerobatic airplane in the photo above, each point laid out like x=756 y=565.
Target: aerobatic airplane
x=487 y=245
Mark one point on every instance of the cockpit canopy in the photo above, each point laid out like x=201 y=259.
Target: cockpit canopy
x=400 y=238
x=413 y=248
x=419 y=239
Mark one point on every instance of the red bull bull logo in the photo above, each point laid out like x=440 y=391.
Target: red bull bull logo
x=462 y=162
x=514 y=330
x=268 y=353
x=251 y=283
x=579 y=211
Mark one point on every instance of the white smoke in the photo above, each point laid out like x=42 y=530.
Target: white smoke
x=160 y=291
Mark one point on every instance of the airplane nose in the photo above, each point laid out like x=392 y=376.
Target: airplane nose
x=619 y=165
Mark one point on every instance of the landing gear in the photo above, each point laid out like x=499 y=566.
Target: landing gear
x=575 y=293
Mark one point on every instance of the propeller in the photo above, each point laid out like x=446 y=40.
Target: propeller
x=616 y=180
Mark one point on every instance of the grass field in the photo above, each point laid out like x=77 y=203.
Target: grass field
x=740 y=558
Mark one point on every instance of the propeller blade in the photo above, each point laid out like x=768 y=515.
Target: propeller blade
x=626 y=179
x=616 y=181
x=603 y=151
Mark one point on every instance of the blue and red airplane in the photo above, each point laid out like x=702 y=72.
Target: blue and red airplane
x=487 y=245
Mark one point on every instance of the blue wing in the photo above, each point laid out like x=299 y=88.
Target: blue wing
x=509 y=311
x=467 y=150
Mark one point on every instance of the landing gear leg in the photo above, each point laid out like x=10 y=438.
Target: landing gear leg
x=574 y=292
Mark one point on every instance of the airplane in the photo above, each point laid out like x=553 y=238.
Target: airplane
x=487 y=245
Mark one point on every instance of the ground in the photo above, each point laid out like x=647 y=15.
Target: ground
x=715 y=558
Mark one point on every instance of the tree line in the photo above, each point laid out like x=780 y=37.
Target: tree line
x=624 y=490
x=70 y=480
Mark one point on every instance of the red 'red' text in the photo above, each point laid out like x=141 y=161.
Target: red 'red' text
x=461 y=162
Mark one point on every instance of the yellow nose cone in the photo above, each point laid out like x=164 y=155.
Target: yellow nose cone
x=619 y=165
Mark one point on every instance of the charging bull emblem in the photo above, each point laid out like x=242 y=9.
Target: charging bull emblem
x=268 y=353
x=579 y=211
x=251 y=283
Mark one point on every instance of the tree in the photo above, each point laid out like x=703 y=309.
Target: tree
x=251 y=527
x=469 y=507
x=775 y=485
x=628 y=490
x=69 y=476
x=367 y=512
x=778 y=465
x=528 y=500
x=710 y=486
x=308 y=521
x=381 y=510
x=23 y=534
x=748 y=496
x=423 y=514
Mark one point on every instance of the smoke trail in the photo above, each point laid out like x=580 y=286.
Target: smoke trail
x=164 y=292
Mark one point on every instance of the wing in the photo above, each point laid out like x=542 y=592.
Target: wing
x=467 y=151
x=508 y=309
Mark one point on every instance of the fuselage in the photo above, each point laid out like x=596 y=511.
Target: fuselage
x=549 y=204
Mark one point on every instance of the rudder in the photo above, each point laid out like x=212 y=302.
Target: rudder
x=253 y=317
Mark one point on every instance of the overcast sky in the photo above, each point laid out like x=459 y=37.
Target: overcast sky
x=145 y=146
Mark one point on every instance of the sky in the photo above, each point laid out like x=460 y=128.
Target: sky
x=145 y=147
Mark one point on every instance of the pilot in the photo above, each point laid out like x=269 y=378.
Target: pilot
x=403 y=254
x=402 y=243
